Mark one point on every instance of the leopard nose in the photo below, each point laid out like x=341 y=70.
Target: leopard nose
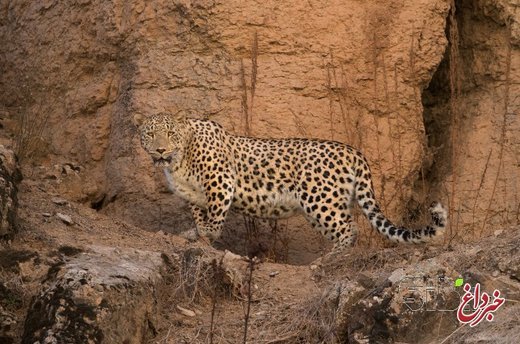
x=160 y=150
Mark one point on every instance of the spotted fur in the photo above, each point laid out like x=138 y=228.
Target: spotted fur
x=270 y=178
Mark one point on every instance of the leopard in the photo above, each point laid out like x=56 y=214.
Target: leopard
x=216 y=171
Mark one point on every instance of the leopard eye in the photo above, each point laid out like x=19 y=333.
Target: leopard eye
x=151 y=134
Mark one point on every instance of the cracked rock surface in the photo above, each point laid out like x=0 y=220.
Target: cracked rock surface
x=102 y=294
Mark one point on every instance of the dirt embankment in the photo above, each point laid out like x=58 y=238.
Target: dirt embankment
x=71 y=273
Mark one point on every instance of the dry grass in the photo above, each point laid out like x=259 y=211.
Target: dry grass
x=30 y=123
x=16 y=294
x=192 y=281
x=481 y=184
x=188 y=278
x=29 y=136
x=280 y=238
x=245 y=106
x=253 y=237
x=313 y=320
x=249 y=295
x=329 y=68
x=298 y=123
x=13 y=293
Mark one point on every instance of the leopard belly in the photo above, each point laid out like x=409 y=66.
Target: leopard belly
x=273 y=204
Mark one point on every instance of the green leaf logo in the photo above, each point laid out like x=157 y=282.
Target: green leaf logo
x=459 y=282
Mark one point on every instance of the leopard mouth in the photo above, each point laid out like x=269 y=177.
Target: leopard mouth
x=162 y=162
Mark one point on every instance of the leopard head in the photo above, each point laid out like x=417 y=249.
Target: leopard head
x=163 y=136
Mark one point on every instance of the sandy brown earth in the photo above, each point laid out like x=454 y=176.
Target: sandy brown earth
x=44 y=237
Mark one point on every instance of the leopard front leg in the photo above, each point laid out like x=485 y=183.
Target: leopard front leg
x=219 y=196
x=200 y=218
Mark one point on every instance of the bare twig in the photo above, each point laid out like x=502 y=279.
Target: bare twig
x=217 y=291
x=299 y=124
x=254 y=70
x=482 y=178
x=455 y=86
x=213 y=305
x=329 y=67
x=245 y=107
x=451 y=334
x=251 y=267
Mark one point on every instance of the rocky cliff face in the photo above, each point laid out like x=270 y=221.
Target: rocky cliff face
x=437 y=120
x=428 y=89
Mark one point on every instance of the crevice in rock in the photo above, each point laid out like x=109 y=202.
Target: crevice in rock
x=97 y=204
x=442 y=110
x=454 y=102
x=102 y=201
x=437 y=119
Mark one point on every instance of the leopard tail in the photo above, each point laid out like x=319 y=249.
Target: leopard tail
x=365 y=197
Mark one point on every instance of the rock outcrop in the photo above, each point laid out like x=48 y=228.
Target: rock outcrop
x=417 y=303
x=10 y=176
x=104 y=294
x=100 y=295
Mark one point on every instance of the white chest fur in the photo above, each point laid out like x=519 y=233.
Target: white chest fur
x=184 y=187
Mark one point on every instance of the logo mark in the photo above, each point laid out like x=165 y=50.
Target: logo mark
x=459 y=282
x=421 y=293
x=481 y=308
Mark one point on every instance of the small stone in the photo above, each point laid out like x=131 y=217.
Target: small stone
x=51 y=175
x=397 y=275
x=59 y=201
x=70 y=168
x=66 y=170
x=274 y=273
x=377 y=299
x=495 y=273
x=65 y=218
x=46 y=214
x=498 y=232
x=186 y=312
x=313 y=267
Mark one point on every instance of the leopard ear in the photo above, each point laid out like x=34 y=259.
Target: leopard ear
x=179 y=115
x=138 y=119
